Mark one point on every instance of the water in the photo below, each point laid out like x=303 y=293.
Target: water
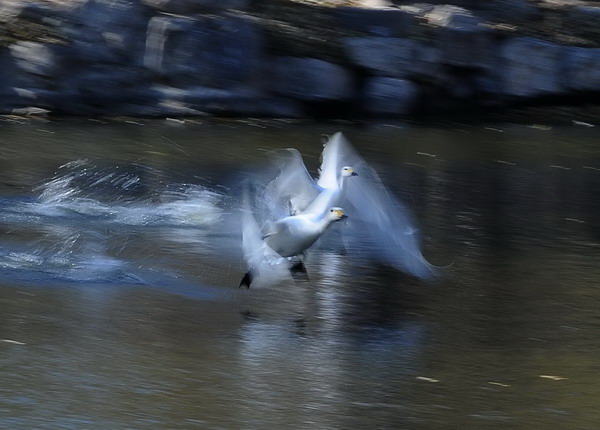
x=119 y=305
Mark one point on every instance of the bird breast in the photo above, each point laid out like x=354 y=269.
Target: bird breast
x=292 y=238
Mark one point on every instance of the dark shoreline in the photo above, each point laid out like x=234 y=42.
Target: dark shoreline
x=505 y=61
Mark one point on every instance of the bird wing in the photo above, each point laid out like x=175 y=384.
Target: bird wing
x=386 y=224
x=377 y=221
x=293 y=189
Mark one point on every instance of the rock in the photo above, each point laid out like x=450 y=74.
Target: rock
x=389 y=96
x=309 y=79
x=582 y=69
x=212 y=51
x=585 y=19
x=588 y=14
x=512 y=11
x=102 y=87
x=37 y=58
x=394 y=57
x=451 y=17
x=460 y=38
x=109 y=29
x=12 y=96
x=530 y=67
x=386 y=22
x=471 y=47
x=188 y=7
x=29 y=98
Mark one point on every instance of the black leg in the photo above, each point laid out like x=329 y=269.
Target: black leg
x=247 y=279
x=299 y=269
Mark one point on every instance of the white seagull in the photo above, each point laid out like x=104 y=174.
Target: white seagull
x=379 y=224
x=269 y=251
x=294 y=188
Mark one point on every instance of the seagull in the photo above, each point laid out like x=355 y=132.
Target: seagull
x=294 y=234
x=379 y=226
x=295 y=188
x=269 y=250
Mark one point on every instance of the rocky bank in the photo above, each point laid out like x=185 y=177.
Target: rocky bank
x=283 y=58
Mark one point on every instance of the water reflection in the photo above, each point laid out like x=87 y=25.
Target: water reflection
x=338 y=348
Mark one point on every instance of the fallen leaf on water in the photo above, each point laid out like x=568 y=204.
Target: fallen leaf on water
x=425 y=378
x=499 y=384
x=553 y=377
x=540 y=127
x=585 y=124
x=15 y=342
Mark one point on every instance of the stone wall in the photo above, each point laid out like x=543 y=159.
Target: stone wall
x=161 y=58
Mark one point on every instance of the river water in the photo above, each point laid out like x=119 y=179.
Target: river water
x=120 y=262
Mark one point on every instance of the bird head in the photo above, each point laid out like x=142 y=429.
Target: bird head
x=336 y=214
x=348 y=171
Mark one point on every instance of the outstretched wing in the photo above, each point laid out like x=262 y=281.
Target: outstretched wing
x=378 y=223
x=386 y=225
x=293 y=189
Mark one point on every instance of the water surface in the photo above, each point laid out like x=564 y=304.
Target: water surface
x=119 y=305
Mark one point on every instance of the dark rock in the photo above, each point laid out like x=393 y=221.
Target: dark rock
x=114 y=29
x=513 y=11
x=466 y=47
x=586 y=14
x=103 y=86
x=212 y=51
x=460 y=37
x=582 y=69
x=394 y=57
x=531 y=67
x=585 y=21
x=389 y=96
x=310 y=79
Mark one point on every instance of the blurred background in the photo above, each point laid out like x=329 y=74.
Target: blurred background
x=298 y=59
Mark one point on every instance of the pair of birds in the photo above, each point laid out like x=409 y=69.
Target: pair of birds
x=297 y=210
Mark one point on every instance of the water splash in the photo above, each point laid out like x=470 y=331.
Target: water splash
x=84 y=222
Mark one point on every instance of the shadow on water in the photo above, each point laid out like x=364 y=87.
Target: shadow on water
x=119 y=304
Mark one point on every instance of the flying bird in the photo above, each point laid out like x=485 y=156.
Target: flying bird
x=379 y=225
x=269 y=250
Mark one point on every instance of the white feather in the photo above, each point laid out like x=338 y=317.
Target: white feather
x=379 y=224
